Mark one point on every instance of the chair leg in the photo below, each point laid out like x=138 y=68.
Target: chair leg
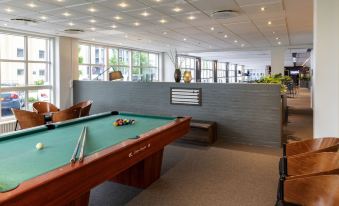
x=16 y=125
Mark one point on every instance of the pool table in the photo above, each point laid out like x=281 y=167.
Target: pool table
x=130 y=154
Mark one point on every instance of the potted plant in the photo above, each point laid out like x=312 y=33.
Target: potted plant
x=177 y=72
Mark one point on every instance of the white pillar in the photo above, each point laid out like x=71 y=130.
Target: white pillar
x=66 y=65
x=277 y=60
x=326 y=68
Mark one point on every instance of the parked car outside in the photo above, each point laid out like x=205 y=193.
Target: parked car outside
x=10 y=100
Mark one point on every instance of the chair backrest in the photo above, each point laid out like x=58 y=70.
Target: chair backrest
x=67 y=114
x=27 y=119
x=312 y=191
x=313 y=164
x=44 y=107
x=326 y=144
x=85 y=107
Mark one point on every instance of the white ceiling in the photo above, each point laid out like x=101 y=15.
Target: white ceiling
x=291 y=23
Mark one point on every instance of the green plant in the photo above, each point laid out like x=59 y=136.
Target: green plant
x=32 y=99
x=39 y=82
x=81 y=59
x=276 y=79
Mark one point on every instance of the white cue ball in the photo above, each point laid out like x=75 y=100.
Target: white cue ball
x=39 y=146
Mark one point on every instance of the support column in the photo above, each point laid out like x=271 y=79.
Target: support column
x=198 y=69
x=215 y=71
x=277 y=60
x=236 y=73
x=326 y=68
x=227 y=72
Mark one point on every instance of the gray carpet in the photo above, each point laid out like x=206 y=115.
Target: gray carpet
x=194 y=175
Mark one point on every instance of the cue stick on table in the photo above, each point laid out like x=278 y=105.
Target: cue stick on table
x=74 y=155
x=82 y=151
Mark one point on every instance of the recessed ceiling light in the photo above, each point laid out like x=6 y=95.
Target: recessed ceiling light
x=120 y=43
x=212 y=28
x=242 y=45
x=158 y=0
x=225 y=36
x=277 y=38
x=9 y=10
x=32 y=5
x=177 y=9
x=60 y=0
x=66 y=14
x=164 y=33
x=93 y=28
x=145 y=13
x=269 y=22
x=279 y=42
x=71 y=24
x=43 y=17
x=114 y=26
x=91 y=9
x=235 y=41
x=273 y=32
x=126 y=36
x=92 y=21
x=136 y=23
x=262 y=8
x=185 y=39
x=93 y=39
x=5 y=24
x=118 y=17
x=162 y=21
x=123 y=5
x=191 y=17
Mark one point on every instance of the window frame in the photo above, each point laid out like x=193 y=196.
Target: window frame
x=27 y=88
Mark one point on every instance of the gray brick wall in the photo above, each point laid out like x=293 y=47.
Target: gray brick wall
x=245 y=113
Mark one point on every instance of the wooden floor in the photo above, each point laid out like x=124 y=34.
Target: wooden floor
x=300 y=118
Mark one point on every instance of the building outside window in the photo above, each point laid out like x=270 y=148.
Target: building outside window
x=221 y=72
x=231 y=73
x=25 y=77
x=187 y=63
x=207 y=71
x=92 y=62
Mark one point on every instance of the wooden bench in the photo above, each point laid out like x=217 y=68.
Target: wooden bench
x=202 y=132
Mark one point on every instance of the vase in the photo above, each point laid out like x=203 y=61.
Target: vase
x=177 y=75
x=187 y=76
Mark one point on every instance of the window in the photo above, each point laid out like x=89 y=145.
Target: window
x=221 y=72
x=24 y=76
x=19 y=52
x=41 y=54
x=119 y=60
x=92 y=62
x=145 y=66
x=231 y=73
x=207 y=71
x=187 y=63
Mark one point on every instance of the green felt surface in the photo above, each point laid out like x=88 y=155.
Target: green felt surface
x=20 y=161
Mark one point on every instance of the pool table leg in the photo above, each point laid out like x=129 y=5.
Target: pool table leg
x=83 y=200
x=143 y=173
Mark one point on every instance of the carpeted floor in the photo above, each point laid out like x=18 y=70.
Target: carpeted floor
x=194 y=175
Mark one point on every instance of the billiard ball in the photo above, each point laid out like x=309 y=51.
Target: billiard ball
x=39 y=146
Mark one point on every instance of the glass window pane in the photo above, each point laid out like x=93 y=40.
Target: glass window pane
x=9 y=100
x=84 y=72
x=37 y=49
x=153 y=60
x=38 y=74
x=96 y=71
x=12 y=47
x=113 y=56
x=144 y=61
x=136 y=58
x=124 y=71
x=97 y=55
x=12 y=74
x=83 y=54
x=124 y=57
x=42 y=95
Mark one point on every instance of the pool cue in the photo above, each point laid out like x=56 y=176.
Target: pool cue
x=74 y=155
x=82 y=151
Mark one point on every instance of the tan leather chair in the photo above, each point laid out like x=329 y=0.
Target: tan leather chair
x=44 y=107
x=85 y=107
x=67 y=114
x=27 y=119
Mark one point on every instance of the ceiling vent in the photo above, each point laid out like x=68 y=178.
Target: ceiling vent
x=224 y=14
x=74 y=31
x=24 y=21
